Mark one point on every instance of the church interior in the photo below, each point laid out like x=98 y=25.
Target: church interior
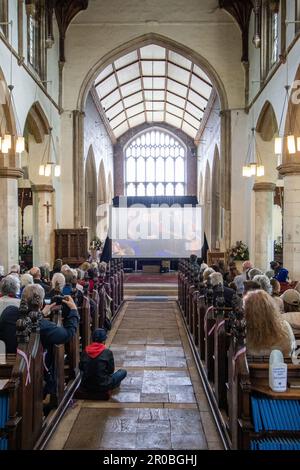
x=184 y=340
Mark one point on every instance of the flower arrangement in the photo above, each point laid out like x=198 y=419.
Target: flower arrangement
x=239 y=252
x=25 y=248
x=95 y=244
x=278 y=248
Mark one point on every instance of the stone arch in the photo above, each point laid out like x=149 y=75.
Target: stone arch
x=225 y=117
x=292 y=120
x=37 y=123
x=215 y=201
x=266 y=131
x=207 y=204
x=144 y=40
x=266 y=124
x=6 y=108
x=90 y=193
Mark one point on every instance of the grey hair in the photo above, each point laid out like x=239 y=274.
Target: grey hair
x=207 y=272
x=254 y=272
x=264 y=282
x=15 y=268
x=216 y=279
x=33 y=293
x=26 y=279
x=9 y=285
x=58 y=278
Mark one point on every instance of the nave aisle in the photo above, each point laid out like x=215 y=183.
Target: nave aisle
x=161 y=403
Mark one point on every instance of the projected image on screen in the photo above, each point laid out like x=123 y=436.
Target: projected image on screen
x=172 y=232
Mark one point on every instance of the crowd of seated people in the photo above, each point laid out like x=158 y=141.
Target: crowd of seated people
x=271 y=303
x=39 y=289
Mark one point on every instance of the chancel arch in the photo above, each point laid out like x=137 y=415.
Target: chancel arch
x=90 y=193
x=136 y=98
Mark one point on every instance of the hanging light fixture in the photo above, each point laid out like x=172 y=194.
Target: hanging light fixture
x=288 y=140
x=253 y=164
x=9 y=141
x=45 y=168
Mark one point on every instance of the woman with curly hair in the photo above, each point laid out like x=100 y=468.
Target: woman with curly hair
x=266 y=329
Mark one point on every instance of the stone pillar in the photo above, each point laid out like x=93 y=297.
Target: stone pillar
x=264 y=200
x=43 y=224
x=78 y=168
x=291 y=218
x=9 y=236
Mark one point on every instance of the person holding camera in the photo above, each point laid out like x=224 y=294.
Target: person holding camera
x=50 y=332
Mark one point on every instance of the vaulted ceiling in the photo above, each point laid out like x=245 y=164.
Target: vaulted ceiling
x=153 y=84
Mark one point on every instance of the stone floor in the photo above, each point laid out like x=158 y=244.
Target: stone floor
x=160 y=404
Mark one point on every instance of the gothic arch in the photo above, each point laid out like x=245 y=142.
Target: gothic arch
x=215 y=200
x=37 y=123
x=267 y=125
x=90 y=193
x=292 y=119
x=7 y=117
x=144 y=40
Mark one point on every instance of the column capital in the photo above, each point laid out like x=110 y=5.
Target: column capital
x=12 y=173
x=266 y=187
x=42 y=188
x=291 y=168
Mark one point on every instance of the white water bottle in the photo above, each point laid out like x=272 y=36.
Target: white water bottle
x=277 y=372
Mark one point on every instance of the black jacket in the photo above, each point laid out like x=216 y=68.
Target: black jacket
x=228 y=295
x=50 y=333
x=97 y=372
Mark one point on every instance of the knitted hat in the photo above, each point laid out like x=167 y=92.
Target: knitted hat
x=291 y=297
x=99 y=335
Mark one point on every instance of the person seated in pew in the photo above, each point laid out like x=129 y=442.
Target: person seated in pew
x=57 y=284
x=206 y=273
x=56 y=267
x=98 y=367
x=266 y=327
x=254 y=272
x=216 y=279
x=250 y=286
x=276 y=294
x=8 y=293
x=291 y=303
x=264 y=282
x=36 y=274
x=50 y=332
x=239 y=280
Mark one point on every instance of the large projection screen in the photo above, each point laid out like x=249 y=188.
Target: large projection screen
x=160 y=232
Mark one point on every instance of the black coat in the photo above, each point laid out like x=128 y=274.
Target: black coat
x=50 y=333
x=97 y=372
x=228 y=295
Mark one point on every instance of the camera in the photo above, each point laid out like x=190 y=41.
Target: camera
x=58 y=299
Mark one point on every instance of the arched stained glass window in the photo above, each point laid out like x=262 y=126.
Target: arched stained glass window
x=155 y=165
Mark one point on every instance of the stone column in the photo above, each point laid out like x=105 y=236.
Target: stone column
x=291 y=218
x=43 y=224
x=264 y=200
x=78 y=168
x=9 y=236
